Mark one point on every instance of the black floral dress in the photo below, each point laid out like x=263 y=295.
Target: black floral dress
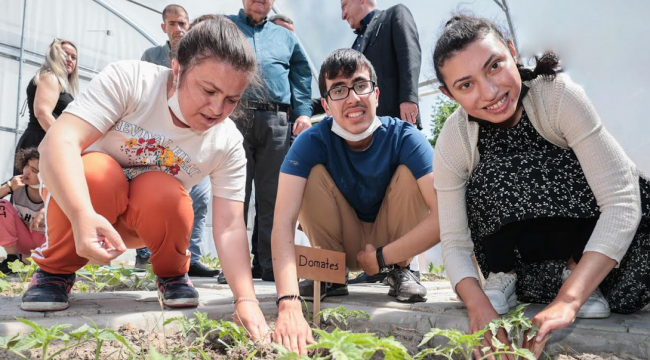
x=522 y=176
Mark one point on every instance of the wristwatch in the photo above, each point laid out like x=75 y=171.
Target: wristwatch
x=383 y=268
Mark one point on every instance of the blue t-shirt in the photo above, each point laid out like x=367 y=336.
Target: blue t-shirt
x=361 y=176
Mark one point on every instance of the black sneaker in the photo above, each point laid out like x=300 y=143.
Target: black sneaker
x=267 y=275
x=141 y=262
x=177 y=292
x=200 y=270
x=405 y=286
x=257 y=271
x=4 y=265
x=306 y=288
x=48 y=292
x=221 y=279
x=365 y=278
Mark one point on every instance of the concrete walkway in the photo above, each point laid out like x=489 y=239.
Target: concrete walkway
x=618 y=334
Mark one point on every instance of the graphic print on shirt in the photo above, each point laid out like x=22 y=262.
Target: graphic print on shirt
x=146 y=151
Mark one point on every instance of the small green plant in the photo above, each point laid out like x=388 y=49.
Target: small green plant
x=436 y=270
x=347 y=345
x=210 y=261
x=342 y=315
x=42 y=337
x=515 y=323
x=100 y=336
x=4 y=284
x=24 y=271
x=202 y=328
x=103 y=278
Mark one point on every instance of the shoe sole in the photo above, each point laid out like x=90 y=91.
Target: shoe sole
x=594 y=315
x=179 y=303
x=412 y=299
x=44 y=306
x=512 y=302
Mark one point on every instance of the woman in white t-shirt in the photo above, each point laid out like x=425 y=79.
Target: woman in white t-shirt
x=118 y=163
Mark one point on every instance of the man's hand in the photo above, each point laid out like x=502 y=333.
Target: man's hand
x=291 y=329
x=367 y=260
x=408 y=111
x=301 y=124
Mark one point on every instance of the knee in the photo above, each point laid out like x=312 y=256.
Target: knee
x=156 y=192
x=403 y=175
x=318 y=177
x=104 y=174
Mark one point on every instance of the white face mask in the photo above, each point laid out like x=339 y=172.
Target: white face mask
x=174 y=105
x=37 y=186
x=338 y=130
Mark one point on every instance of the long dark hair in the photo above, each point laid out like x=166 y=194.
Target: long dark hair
x=463 y=29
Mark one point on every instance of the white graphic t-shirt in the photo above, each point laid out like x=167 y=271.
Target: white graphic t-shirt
x=127 y=102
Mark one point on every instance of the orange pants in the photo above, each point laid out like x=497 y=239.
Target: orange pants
x=153 y=210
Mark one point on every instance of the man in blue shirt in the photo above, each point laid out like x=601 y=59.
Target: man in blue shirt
x=175 y=25
x=358 y=184
x=286 y=79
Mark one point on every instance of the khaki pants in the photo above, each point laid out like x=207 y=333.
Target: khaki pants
x=331 y=223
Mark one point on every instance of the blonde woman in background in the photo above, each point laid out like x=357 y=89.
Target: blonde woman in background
x=50 y=91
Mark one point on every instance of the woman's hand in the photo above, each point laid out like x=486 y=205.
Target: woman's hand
x=291 y=329
x=556 y=316
x=37 y=221
x=249 y=315
x=95 y=238
x=478 y=319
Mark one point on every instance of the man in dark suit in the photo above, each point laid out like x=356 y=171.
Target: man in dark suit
x=389 y=39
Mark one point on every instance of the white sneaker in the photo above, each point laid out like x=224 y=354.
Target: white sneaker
x=596 y=306
x=500 y=289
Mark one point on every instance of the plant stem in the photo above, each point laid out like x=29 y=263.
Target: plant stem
x=69 y=348
x=98 y=351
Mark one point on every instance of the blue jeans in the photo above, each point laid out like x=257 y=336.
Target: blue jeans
x=200 y=195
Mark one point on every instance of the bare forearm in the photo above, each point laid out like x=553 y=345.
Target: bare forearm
x=284 y=258
x=62 y=171
x=472 y=295
x=421 y=238
x=45 y=120
x=585 y=278
x=232 y=245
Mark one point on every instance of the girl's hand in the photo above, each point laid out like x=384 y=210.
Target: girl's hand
x=478 y=319
x=37 y=221
x=17 y=182
x=556 y=316
x=249 y=315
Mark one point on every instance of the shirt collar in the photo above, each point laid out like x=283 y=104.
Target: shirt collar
x=524 y=91
x=247 y=20
x=365 y=22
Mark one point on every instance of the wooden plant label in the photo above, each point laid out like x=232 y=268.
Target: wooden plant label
x=320 y=264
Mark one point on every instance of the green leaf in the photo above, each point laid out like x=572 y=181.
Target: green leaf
x=32 y=340
x=80 y=331
x=6 y=342
x=4 y=285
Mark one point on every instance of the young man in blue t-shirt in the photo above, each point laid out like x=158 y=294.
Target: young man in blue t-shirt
x=359 y=184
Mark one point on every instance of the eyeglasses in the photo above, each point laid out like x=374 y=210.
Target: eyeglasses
x=342 y=92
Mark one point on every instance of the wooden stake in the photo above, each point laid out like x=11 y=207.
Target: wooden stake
x=316 y=300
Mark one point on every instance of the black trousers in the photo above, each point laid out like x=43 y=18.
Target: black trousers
x=266 y=142
x=537 y=240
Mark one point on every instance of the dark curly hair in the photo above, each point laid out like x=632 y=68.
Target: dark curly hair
x=463 y=29
x=23 y=156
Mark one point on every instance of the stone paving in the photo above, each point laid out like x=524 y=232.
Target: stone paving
x=617 y=334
